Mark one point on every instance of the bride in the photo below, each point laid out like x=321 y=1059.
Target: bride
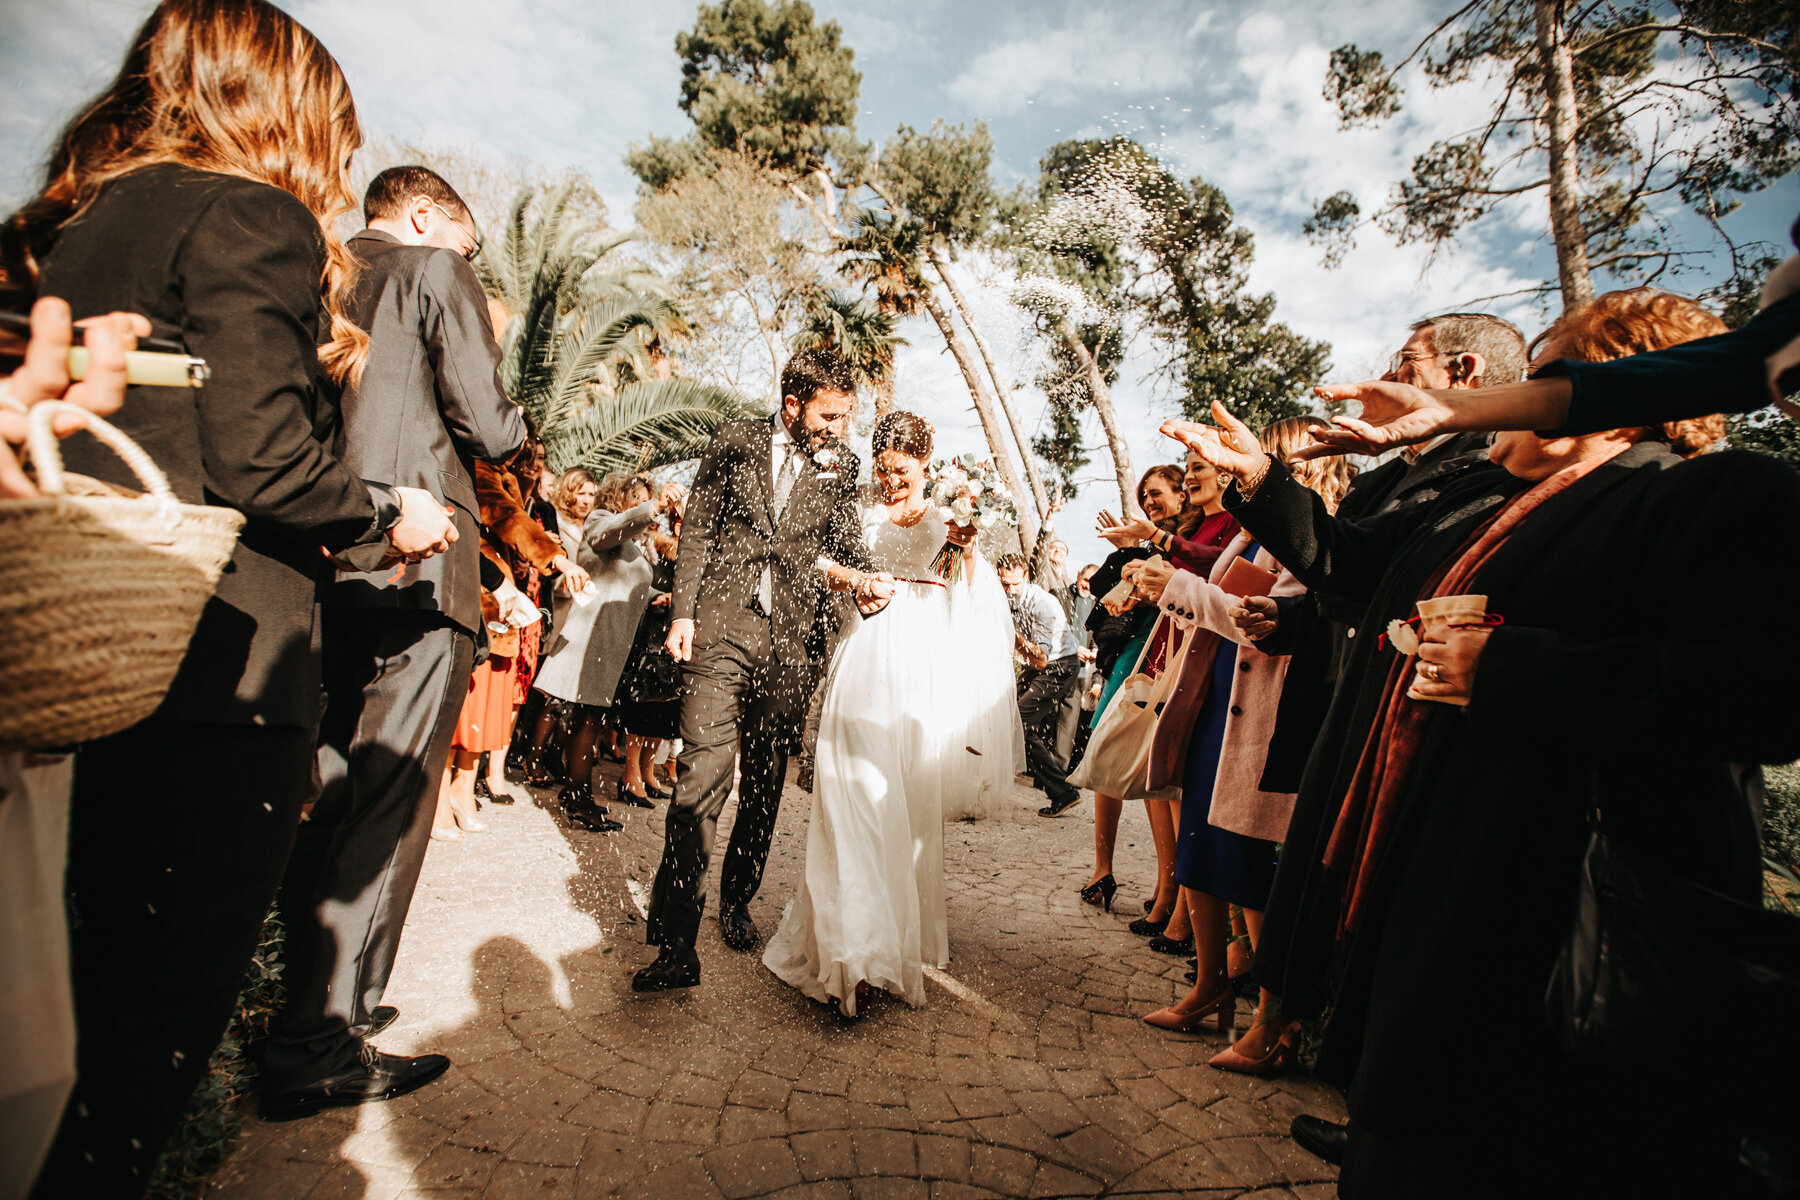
x=919 y=726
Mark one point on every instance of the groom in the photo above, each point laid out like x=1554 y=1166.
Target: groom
x=770 y=500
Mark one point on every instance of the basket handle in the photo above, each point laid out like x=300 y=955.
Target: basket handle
x=47 y=457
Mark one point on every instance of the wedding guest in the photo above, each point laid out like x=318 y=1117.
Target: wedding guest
x=1634 y=701
x=1049 y=647
x=573 y=499
x=37 y=1012
x=1737 y=371
x=538 y=484
x=398 y=645
x=585 y=660
x=647 y=705
x=1229 y=824
x=209 y=207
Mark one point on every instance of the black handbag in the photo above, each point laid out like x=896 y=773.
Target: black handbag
x=658 y=679
x=1645 y=951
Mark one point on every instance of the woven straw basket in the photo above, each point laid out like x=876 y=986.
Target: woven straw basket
x=100 y=590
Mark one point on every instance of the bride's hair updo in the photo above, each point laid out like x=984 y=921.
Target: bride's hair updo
x=909 y=433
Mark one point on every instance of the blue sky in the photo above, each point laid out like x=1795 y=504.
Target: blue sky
x=1228 y=91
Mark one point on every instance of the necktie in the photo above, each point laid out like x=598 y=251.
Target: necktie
x=784 y=482
x=784 y=485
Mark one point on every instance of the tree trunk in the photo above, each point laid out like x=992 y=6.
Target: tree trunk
x=1032 y=478
x=1109 y=420
x=996 y=438
x=1562 y=119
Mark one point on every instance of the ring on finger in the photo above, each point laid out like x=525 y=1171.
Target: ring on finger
x=1432 y=672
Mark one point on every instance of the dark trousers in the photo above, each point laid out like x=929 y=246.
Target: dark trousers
x=178 y=834
x=1041 y=698
x=1068 y=722
x=738 y=703
x=394 y=684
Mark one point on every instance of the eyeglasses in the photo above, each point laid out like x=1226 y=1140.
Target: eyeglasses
x=473 y=250
x=1401 y=358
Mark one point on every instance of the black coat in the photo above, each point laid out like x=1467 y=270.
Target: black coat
x=428 y=403
x=231 y=268
x=730 y=532
x=1316 y=631
x=1614 y=684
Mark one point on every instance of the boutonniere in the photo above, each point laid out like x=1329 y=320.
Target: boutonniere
x=826 y=460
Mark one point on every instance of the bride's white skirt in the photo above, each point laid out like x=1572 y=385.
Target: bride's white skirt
x=919 y=725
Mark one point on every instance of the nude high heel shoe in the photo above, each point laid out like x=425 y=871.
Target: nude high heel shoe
x=1284 y=1052
x=1223 y=1006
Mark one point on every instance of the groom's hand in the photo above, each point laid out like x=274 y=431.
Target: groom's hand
x=873 y=592
x=680 y=642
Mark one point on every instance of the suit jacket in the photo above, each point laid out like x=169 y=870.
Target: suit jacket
x=231 y=268
x=731 y=532
x=428 y=402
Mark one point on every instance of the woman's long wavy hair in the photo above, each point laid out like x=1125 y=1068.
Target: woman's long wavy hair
x=232 y=86
x=1330 y=476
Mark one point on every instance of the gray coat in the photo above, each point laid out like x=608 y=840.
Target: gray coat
x=588 y=651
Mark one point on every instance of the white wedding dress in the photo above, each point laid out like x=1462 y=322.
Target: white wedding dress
x=920 y=725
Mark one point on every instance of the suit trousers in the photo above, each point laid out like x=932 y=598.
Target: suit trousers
x=738 y=704
x=1042 y=695
x=178 y=833
x=394 y=684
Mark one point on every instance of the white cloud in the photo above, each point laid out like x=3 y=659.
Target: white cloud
x=1122 y=52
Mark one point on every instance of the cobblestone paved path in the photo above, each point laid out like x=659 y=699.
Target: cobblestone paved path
x=1028 y=1073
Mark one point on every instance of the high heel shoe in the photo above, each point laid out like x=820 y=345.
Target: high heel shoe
x=467 y=822
x=1100 y=891
x=539 y=772
x=1222 y=1006
x=1284 y=1052
x=627 y=796
x=1167 y=945
x=577 y=801
x=1145 y=927
x=452 y=834
x=654 y=792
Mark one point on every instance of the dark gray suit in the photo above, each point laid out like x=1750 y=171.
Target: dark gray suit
x=397 y=652
x=752 y=672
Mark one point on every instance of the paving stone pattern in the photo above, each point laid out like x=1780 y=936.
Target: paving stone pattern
x=1027 y=1073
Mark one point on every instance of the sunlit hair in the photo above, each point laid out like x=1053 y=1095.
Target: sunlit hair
x=1330 y=476
x=567 y=484
x=1176 y=478
x=909 y=433
x=236 y=87
x=1637 y=321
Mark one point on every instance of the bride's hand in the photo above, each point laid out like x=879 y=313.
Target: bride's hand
x=960 y=535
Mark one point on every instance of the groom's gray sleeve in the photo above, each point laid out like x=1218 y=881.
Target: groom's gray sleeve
x=699 y=527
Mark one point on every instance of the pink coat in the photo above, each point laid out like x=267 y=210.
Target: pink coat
x=1237 y=803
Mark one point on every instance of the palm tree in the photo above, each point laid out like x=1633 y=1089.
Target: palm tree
x=860 y=332
x=584 y=350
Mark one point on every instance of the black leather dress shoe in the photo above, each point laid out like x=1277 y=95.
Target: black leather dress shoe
x=376 y=1076
x=383 y=1016
x=1321 y=1138
x=740 y=931
x=1057 y=808
x=675 y=967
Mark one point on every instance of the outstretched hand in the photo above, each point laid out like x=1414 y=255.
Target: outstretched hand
x=1393 y=414
x=1229 y=447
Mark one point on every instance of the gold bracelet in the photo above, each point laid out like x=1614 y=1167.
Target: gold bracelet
x=1247 y=487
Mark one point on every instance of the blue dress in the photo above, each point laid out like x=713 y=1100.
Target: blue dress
x=1235 y=868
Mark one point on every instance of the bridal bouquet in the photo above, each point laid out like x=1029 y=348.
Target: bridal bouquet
x=967 y=492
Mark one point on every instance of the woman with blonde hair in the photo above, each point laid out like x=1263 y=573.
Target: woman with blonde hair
x=200 y=189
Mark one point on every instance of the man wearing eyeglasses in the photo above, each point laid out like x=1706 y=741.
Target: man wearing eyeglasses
x=398 y=645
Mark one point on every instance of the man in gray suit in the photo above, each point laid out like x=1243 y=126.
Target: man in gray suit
x=398 y=647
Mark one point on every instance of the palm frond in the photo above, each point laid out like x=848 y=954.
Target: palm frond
x=646 y=425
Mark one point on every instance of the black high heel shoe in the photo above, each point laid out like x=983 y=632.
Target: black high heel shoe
x=654 y=792
x=1100 y=892
x=627 y=796
x=578 y=805
x=1168 y=945
x=1145 y=927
